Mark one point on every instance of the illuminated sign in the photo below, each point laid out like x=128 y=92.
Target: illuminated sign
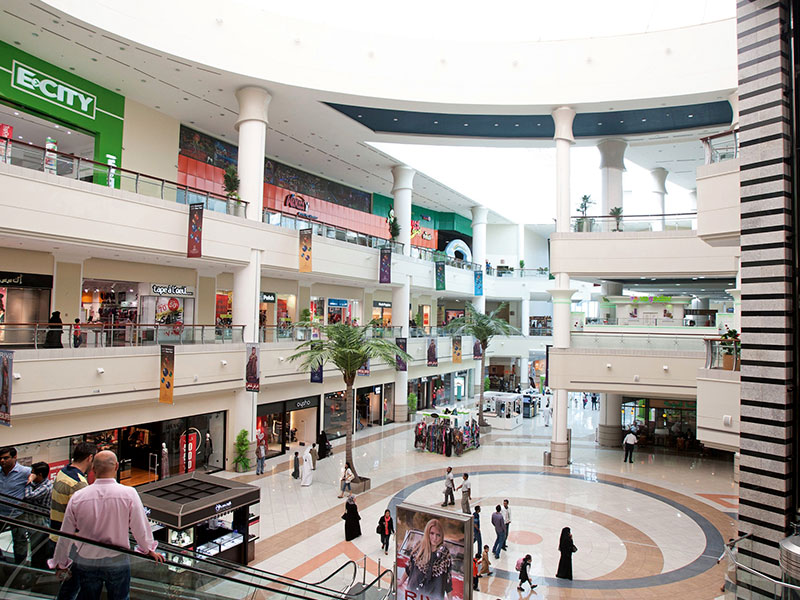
x=50 y=89
x=296 y=202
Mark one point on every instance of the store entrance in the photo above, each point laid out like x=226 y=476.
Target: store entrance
x=368 y=407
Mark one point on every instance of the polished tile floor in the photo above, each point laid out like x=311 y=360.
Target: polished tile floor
x=651 y=529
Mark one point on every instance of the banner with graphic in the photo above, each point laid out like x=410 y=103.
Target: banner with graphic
x=6 y=377
x=433 y=352
x=194 y=246
x=188 y=453
x=386 y=265
x=401 y=343
x=305 y=250
x=252 y=371
x=478 y=283
x=167 y=374
x=6 y=131
x=456 y=348
x=316 y=374
x=364 y=369
x=477 y=350
x=440 y=280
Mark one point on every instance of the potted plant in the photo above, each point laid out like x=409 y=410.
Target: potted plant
x=412 y=403
x=241 y=447
x=394 y=226
x=521 y=264
x=584 y=223
x=616 y=212
x=542 y=270
x=731 y=350
x=231 y=182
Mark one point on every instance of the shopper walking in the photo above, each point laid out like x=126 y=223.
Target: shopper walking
x=352 y=527
x=523 y=574
x=261 y=455
x=547 y=414
x=629 y=442
x=346 y=479
x=466 y=494
x=506 y=512
x=76 y=334
x=485 y=563
x=296 y=465
x=565 y=547
x=314 y=457
x=449 y=486
x=385 y=529
x=308 y=471
x=13 y=477
x=499 y=530
x=476 y=526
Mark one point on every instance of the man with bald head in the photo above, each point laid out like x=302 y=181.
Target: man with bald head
x=103 y=512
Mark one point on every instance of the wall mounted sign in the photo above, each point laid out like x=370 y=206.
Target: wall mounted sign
x=364 y=369
x=166 y=374
x=167 y=289
x=252 y=373
x=338 y=302
x=385 y=266
x=651 y=299
x=302 y=403
x=456 y=348
x=50 y=89
x=6 y=377
x=15 y=279
x=268 y=297
x=441 y=283
x=296 y=202
x=478 y=283
x=401 y=343
x=316 y=373
x=304 y=258
x=381 y=304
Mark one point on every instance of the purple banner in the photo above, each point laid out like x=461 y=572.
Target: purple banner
x=386 y=265
x=6 y=377
x=194 y=248
x=402 y=343
x=316 y=374
x=477 y=351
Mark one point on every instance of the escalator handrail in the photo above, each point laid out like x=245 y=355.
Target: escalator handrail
x=128 y=552
x=21 y=503
x=379 y=577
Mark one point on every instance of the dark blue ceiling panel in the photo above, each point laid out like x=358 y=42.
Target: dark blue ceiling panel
x=609 y=123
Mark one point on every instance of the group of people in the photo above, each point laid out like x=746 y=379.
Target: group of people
x=306 y=474
x=105 y=511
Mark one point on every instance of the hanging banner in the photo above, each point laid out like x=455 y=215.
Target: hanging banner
x=6 y=377
x=6 y=131
x=477 y=350
x=305 y=250
x=433 y=353
x=194 y=243
x=445 y=539
x=167 y=374
x=478 y=283
x=456 y=348
x=402 y=343
x=386 y=265
x=316 y=374
x=439 y=269
x=364 y=369
x=252 y=372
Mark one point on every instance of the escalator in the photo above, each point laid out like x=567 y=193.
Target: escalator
x=185 y=575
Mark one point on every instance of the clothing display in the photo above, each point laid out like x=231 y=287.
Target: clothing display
x=445 y=435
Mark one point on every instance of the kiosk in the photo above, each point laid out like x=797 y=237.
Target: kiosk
x=502 y=410
x=207 y=514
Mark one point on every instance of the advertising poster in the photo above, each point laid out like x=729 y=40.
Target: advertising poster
x=478 y=283
x=433 y=561
x=167 y=374
x=477 y=350
x=6 y=131
x=50 y=156
x=252 y=371
x=440 y=281
x=305 y=251
x=386 y=266
x=402 y=343
x=194 y=247
x=456 y=348
x=316 y=374
x=6 y=377
x=364 y=369
x=432 y=353
x=189 y=453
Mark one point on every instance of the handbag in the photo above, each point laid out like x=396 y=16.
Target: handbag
x=574 y=548
x=379 y=529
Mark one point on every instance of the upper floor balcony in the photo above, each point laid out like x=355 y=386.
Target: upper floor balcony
x=719 y=394
x=718 y=205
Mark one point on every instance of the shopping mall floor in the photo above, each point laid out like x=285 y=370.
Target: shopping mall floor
x=651 y=529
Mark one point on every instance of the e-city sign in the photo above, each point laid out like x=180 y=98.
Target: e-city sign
x=50 y=89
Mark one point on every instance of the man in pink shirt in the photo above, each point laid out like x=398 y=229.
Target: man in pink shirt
x=103 y=512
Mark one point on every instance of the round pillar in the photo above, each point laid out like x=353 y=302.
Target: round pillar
x=252 y=128
x=609 y=309
x=479 y=217
x=609 y=430
x=563 y=117
x=659 y=176
x=525 y=316
x=401 y=304
x=402 y=190
x=612 y=165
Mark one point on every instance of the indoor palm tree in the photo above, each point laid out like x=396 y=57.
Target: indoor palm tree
x=482 y=328
x=348 y=348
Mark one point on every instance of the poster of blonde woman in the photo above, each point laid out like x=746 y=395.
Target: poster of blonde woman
x=431 y=562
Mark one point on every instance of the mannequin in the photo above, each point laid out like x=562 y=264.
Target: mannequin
x=164 y=461
x=208 y=449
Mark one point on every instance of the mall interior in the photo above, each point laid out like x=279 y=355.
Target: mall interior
x=226 y=182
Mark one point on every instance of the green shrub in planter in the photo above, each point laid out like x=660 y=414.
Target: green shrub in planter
x=412 y=402
x=242 y=446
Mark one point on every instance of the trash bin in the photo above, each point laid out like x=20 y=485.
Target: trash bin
x=547 y=460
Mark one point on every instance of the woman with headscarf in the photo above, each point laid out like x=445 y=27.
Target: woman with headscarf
x=566 y=547
x=352 y=527
x=53 y=337
x=322 y=440
x=308 y=475
x=428 y=571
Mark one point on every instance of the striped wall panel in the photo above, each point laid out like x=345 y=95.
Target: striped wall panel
x=766 y=494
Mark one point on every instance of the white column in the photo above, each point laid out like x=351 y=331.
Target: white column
x=608 y=289
x=525 y=316
x=402 y=190
x=563 y=118
x=479 y=216
x=693 y=200
x=524 y=366
x=521 y=246
x=401 y=299
x=609 y=432
x=612 y=166
x=659 y=175
x=559 y=448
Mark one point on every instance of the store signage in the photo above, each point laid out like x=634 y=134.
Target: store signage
x=223 y=506
x=307 y=216
x=337 y=302
x=296 y=202
x=190 y=452
x=301 y=403
x=14 y=279
x=381 y=304
x=425 y=217
x=416 y=230
x=160 y=289
x=50 y=89
x=651 y=299
x=268 y=297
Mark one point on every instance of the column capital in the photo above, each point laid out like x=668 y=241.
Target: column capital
x=403 y=178
x=736 y=294
x=479 y=215
x=561 y=295
x=659 y=175
x=563 y=117
x=253 y=104
x=612 y=154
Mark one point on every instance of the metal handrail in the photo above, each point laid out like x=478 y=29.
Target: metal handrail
x=690 y=214
x=728 y=553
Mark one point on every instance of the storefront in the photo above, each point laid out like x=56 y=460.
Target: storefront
x=374 y=405
x=111 y=302
x=423 y=318
x=169 y=306
x=382 y=312
x=24 y=298
x=267 y=309
x=421 y=389
x=223 y=307
x=147 y=452
x=285 y=425
x=334 y=421
x=341 y=310
x=662 y=422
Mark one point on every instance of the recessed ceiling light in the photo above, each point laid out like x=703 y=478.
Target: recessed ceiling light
x=395 y=119
x=600 y=123
x=497 y=124
x=57 y=126
x=516 y=124
x=652 y=279
x=69 y=133
x=622 y=121
x=643 y=120
x=678 y=284
x=16 y=114
x=19 y=136
x=694 y=278
x=466 y=124
x=690 y=116
x=359 y=116
x=661 y=290
x=702 y=276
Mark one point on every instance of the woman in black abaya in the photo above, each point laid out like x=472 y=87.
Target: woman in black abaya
x=566 y=547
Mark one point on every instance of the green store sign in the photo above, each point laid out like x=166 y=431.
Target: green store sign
x=651 y=299
x=53 y=93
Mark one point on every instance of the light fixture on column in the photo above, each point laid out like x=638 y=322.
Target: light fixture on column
x=100 y=370
x=17 y=376
x=223 y=363
x=636 y=378
x=727 y=420
x=608 y=365
x=665 y=367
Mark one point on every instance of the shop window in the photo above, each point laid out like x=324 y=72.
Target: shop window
x=335 y=418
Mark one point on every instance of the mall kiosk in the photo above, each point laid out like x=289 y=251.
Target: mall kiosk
x=503 y=410
x=210 y=515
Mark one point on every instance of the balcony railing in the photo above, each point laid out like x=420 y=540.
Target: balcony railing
x=605 y=224
x=637 y=341
x=108 y=335
x=277 y=333
x=723 y=353
x=723 y=146
x=41 y=159
x=539 y=331
x=437 y=255
x=541 y=272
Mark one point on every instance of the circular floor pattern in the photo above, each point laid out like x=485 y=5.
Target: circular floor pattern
x=525 y=538
x=706 y=561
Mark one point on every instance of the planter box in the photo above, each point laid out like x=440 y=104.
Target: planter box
x=728 y=362
x=361 y=487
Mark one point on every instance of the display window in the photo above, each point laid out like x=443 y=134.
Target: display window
x=342 y=310
x=112 y=302
x=286 y=425
x=382 y=313
x=24 y=298
x=369 y=407
x=171 y=308
x=223 y=312
x=335 y=422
